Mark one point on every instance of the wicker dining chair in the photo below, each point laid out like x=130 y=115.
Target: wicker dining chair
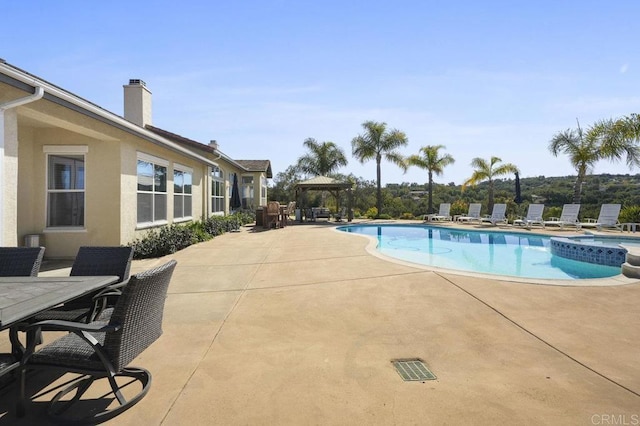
x=103 y=348
x=92 y=261
x=20 y=261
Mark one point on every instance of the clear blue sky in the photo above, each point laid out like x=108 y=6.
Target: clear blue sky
x=482 y=78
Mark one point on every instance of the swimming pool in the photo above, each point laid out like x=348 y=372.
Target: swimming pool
x=523 y=255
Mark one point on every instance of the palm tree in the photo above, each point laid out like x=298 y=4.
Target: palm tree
x=322 y=158
x=583 y=152
x=488 y=171
x=619 y=138
x=377 y=143
x=433 y=163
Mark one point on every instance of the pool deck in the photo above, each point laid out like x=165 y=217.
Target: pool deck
x=299 y=326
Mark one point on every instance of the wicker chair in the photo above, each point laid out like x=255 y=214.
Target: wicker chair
x=17 y=262
x=103 y=348
x=273 y=214
x=92 y=261
x=20 y=261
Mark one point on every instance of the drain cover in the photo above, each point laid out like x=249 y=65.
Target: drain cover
x=412 y=369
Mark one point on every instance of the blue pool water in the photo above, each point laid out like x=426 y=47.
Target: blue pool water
x=491 y=252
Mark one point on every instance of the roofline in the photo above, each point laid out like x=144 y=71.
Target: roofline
x=27 y=82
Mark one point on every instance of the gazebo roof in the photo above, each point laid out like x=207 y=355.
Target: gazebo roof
x=323 y=183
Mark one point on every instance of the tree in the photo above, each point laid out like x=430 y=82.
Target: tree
x=322 y=158
x=488 y=171
x=606 y=139
x=583 y=153
x=433 y=163
x=378 y=143
x=619 y=138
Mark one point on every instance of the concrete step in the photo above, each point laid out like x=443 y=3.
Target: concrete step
x=631 y=271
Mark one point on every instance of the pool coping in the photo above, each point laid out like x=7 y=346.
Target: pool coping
x=372 y=248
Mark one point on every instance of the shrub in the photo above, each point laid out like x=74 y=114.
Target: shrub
x=552 y=212
x=372 y=213
x=630 y=214
x=407 y=216
x=385 y=216
x=459 y=207
x=169 y=239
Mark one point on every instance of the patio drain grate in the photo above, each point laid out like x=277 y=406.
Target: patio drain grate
x=412 y=370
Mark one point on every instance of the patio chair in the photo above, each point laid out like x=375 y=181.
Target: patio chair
x=498 y=215
x=339 y=215
x=20 y=261
x=473 y=214
x=533 y=217
x=608 y=218
x=568 y=217
x=273 y=214
x=103 y=349
x=443 y=214
x=92 y=261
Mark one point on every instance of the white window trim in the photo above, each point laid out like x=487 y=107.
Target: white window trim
x=223 y=197
x=62 y=150
x=141 y=156
x=184 y=169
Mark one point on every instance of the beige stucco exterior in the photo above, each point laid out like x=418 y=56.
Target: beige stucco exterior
x=111 y=151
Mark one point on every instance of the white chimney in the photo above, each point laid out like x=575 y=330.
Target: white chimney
x=137 y=103
x=213 y=144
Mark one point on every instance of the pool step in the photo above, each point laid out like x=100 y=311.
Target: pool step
x=631 y=268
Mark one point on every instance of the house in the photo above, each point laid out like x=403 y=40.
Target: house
x=76 y=174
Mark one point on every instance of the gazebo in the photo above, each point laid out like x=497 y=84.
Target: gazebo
x=325 y=183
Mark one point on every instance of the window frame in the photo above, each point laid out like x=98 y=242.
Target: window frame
x=61 y=151
x=217 y=185
x=186 y=199
x=155 y=194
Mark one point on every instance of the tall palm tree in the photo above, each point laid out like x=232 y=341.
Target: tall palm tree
x=488 y=171
x=433 y=163
x=322 y=158
x=583 y=152
x=619 y=138
x=377 y=143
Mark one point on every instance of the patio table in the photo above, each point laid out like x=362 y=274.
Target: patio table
x=24 y=297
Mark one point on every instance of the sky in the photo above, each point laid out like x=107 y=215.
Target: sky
x=483 y=78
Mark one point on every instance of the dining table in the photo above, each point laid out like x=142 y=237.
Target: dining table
x=23 y=297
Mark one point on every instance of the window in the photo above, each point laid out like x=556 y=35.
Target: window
x=65 y=190
x=217 y=190
x=182 y=202
x=263 y=190
x=152 y=190
x=247 y=192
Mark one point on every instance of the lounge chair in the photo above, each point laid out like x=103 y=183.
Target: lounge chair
x=443 y=214
x=102 y=349
x=533 y=217
x=608 y=218
x=498 y=215
x=473 y=214
x=568 y=217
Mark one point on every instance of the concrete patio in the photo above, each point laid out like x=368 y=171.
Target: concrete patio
x=299 y=326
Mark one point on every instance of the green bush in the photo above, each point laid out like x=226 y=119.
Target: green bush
x=407 y=216
x=385 y=216
x=169 y=239
x=630 y=214
x=372 y=213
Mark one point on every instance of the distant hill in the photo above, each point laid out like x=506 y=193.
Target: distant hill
x=552 y=191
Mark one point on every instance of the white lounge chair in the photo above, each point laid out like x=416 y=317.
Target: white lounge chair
x=569 y=217
x=498 y=215
x=442 y=215
x=608 y=218
x=473 y=214
x=533 y=217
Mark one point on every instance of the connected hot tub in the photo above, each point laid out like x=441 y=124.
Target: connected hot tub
x=602 y=250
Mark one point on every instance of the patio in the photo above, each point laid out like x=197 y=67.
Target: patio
x=299 y=327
